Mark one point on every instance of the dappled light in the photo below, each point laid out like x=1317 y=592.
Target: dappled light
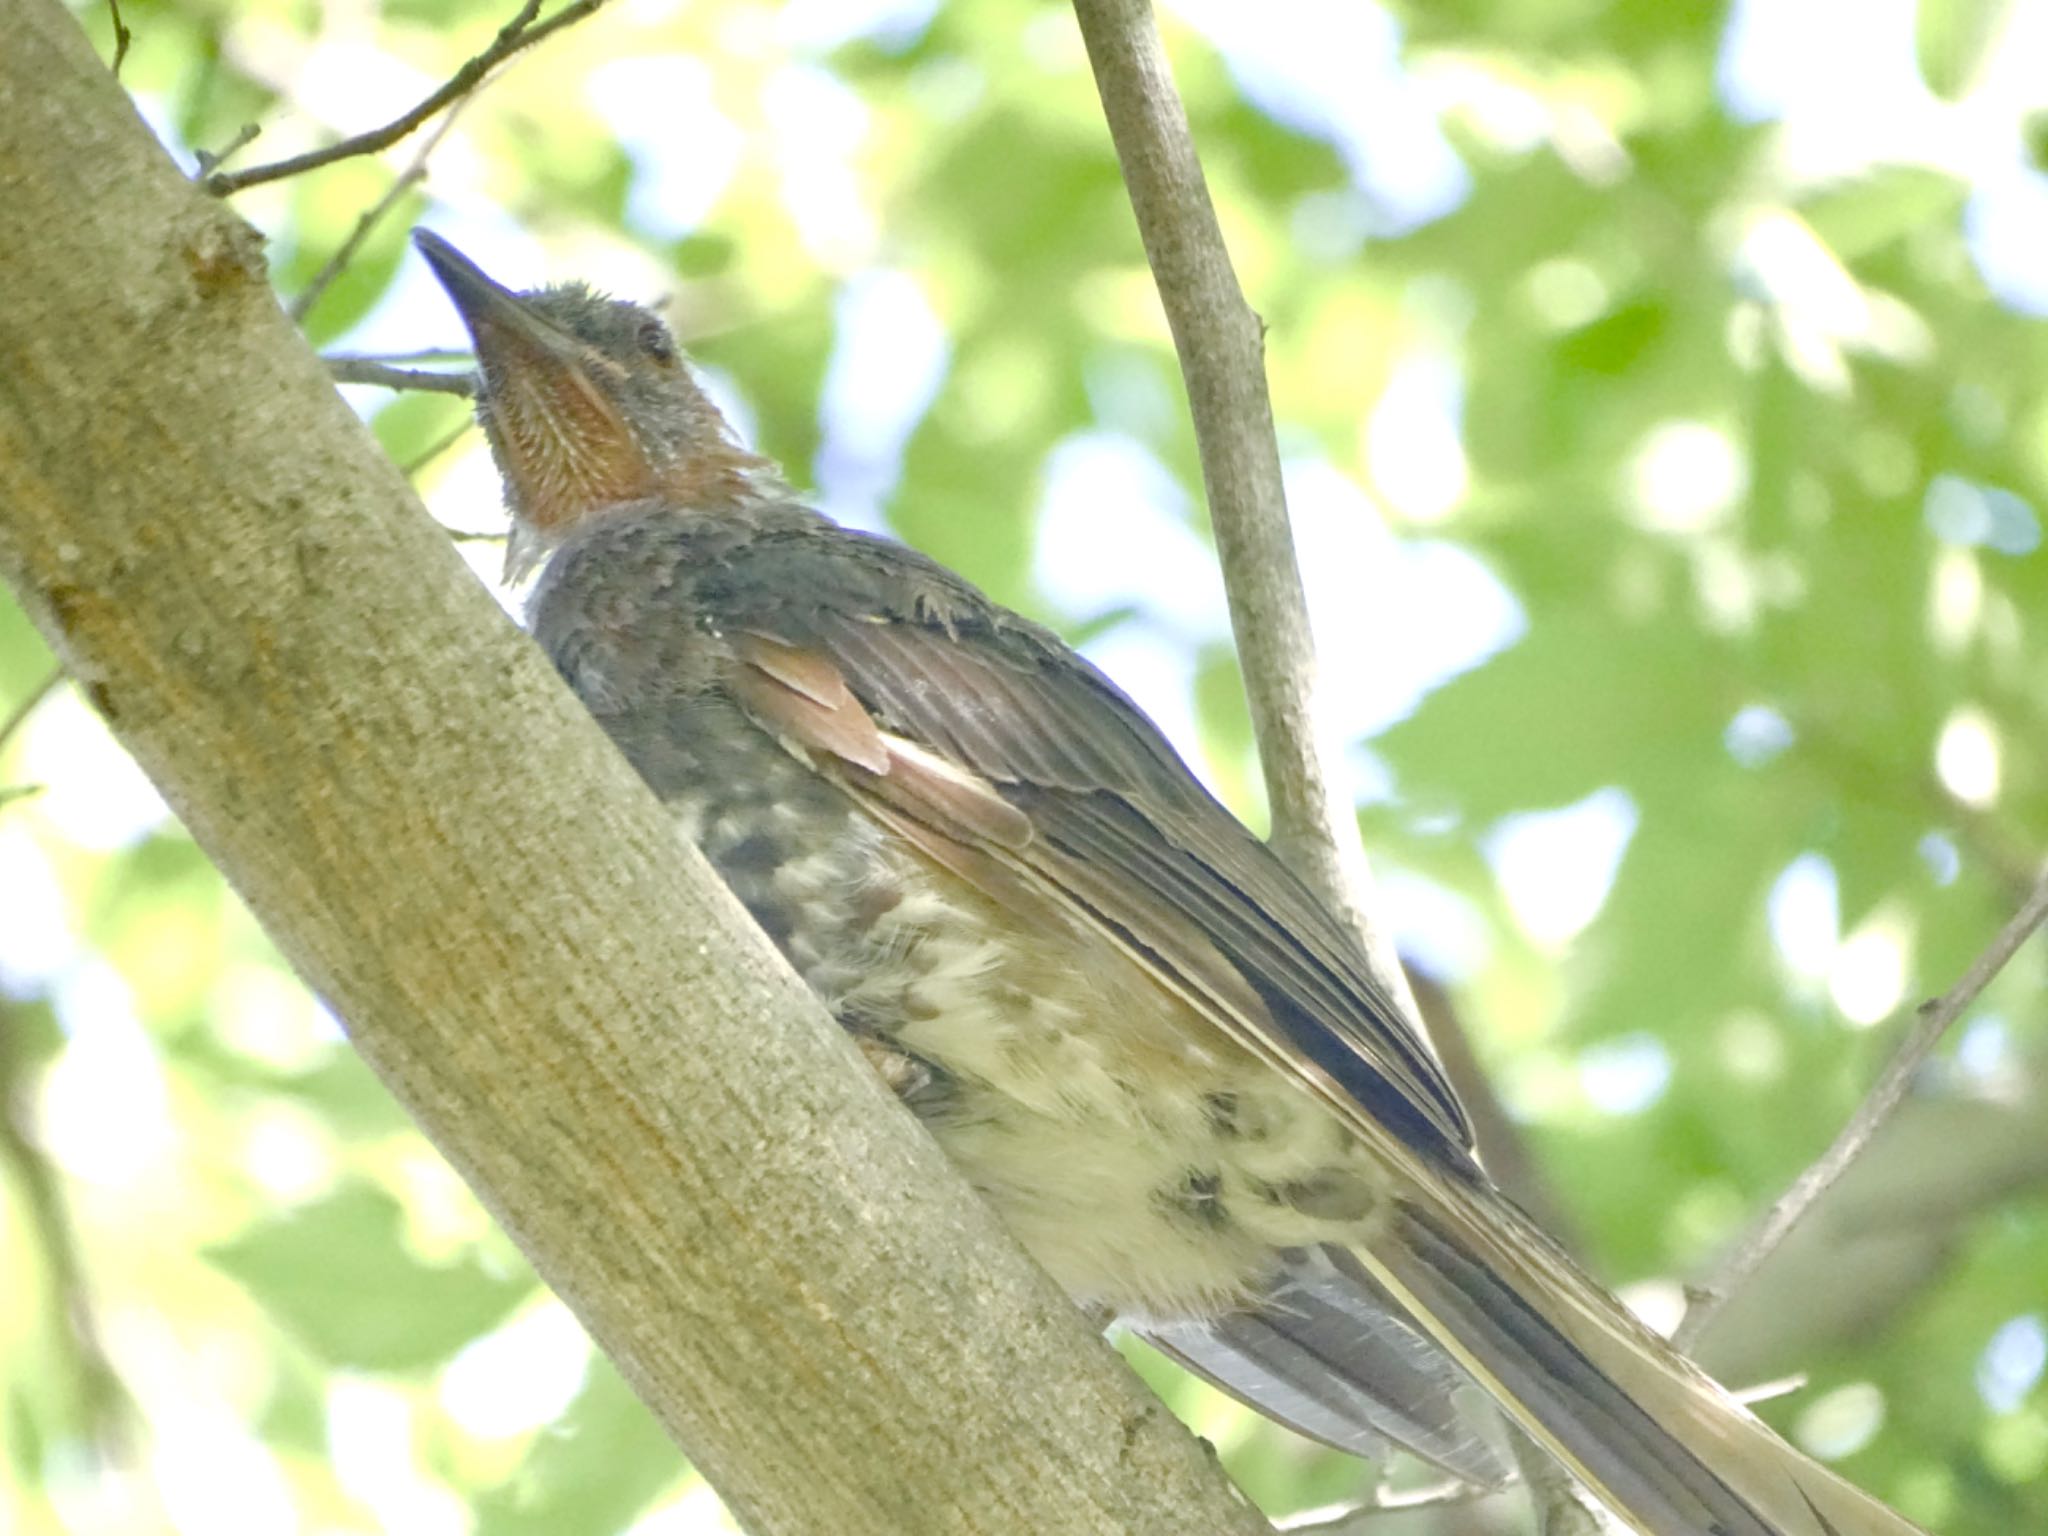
x=1662 y=396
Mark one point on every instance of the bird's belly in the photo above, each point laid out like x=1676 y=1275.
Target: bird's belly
x=1146 y=1160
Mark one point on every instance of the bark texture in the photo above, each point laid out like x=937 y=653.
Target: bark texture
x=546 y=976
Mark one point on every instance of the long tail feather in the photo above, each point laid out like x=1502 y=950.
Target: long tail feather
x=1327 y=1352
x=1664 y=1446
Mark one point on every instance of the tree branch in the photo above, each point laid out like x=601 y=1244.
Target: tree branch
x=31 y=701
x=122 y=38
x=1361 y=1518
x=211 y=159
x=103 y=1400
x=1222 y=356
x=517 y=35
x=1221 y=344
x=414 y=173
x=344 y=369
x=444 y=843
x=12 y=724
x=1931 y=1021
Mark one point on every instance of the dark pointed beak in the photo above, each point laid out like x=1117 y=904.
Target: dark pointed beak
x=559 y=437
x=502 y=323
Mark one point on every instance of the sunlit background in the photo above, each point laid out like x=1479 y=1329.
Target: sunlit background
x=1663 y=390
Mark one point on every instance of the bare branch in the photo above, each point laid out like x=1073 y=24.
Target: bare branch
x=1930 y=1023
x=122 y=38
x=517 y=35
x=1222 y=355
x=414 y=173
x=1357 y=1518
x=1221 y=344
x=101 y=1394
x=414 y=355
x=31 y=702
x=433 y=451
x=366 y=370
x=212 y=159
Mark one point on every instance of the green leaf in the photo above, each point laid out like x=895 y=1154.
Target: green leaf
x=1890 y=203
x=702 y=255
x=1681 y=938
x=1618 y=340
x=1954 y=39
x=1575 y=706
x=329 y=207
x=339 y=1276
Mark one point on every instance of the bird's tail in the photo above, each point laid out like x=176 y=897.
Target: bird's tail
x=1659 y=1442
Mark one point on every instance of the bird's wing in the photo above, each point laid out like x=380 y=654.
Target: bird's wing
x=1009 y=761
x=1001 y=747
x=997 y=748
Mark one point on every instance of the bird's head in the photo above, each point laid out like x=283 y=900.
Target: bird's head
x=588 y=405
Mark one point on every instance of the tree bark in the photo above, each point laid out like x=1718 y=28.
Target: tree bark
x=547 y=977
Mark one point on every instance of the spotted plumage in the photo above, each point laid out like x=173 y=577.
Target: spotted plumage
x=1159 y=1057
x=1101 y=1150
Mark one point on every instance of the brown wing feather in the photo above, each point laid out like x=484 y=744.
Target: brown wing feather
x=802 y=696
x=1070 y=751
x=999 y=742
x=841 y=730
x=960 y=821
x=807 y=672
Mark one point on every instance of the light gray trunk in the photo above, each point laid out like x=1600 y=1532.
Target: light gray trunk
x=450 y=852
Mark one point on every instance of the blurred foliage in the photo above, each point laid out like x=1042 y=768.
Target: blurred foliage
x=1755 y=451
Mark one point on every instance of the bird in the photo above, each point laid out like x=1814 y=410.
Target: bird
x=1163 y=1060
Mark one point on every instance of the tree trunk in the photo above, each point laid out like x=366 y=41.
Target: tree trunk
x=548 y=978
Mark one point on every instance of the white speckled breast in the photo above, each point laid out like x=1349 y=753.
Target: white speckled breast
x=1113 y=1129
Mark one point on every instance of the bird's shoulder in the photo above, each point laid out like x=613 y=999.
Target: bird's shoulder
x=668 y=592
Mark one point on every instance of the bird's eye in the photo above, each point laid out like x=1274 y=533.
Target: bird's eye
x=655 y=342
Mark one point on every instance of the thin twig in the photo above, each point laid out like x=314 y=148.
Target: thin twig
x=1930 y=1022
x=1221 y=344
x=414 y=173
x=122 y=38
x=105 y=1400
x=211 y=160
x=19 y=717
x=364 y=370
x=1351 y=1519
x=30 y=703
x=414 y=355
x=435 y=449
x=1222 y=356
x=517 y=35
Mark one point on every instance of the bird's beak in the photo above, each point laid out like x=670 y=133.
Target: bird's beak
x=561 y=439
x=507 y=331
